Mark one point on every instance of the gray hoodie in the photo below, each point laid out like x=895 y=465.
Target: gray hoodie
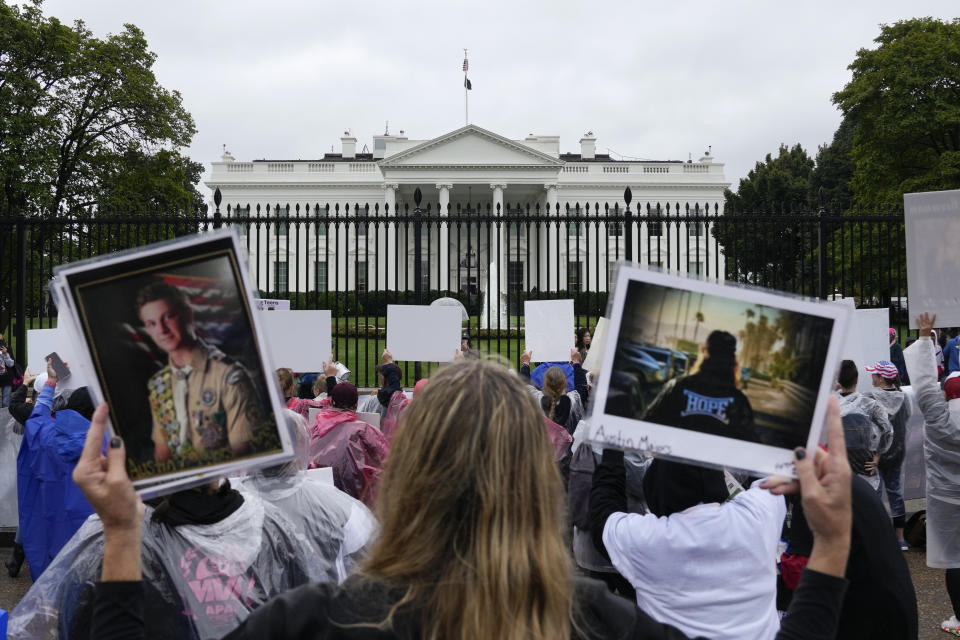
x=898 y=410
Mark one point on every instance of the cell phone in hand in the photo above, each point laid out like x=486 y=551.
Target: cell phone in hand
x=59 y=367
x=3 y=343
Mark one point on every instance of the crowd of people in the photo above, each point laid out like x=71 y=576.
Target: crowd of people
x=475 y=507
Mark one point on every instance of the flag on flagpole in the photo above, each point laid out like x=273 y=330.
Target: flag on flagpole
x=468 y=84
x=466 y=65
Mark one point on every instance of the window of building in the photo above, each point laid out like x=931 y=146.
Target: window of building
x=573 y=227
x=694 y=267
x=573 y=276
x=320 y=276
x=282 y=228
x=241 y=215
x=655 y=229
x=614 y=228
x=361 y=276
x=321 y=213
x=694 y=229
x=361 y=228
x=425 y=275
x=611 y=274
x=515 y=275
x=280 y=276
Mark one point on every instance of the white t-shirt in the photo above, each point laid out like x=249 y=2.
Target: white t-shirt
x=708 y=570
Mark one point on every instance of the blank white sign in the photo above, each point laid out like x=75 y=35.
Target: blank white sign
x=932 y=222
x=549 y=329
x=298 y=340
x=423 y=334
x=598 y=340
x=867 y=342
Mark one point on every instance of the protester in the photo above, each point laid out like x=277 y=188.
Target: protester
x=355 y=450
x=51 y=508
x=471 y=543
x=886 y=391
x=951 y=353
x=714 y=382
x=288 y=386
x=941 y=446
x=398 y=405
x=335 y=526
x=896 y=356
x=582 y=342
x=691 y=525
x=938 y=352
x=466 y=348
x=7 y=373
x=880 y=601
x=563 y=407
x=865 y=422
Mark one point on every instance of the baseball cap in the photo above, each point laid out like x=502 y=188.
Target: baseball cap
x=883 y=368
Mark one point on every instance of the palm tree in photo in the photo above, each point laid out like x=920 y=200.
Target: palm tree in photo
x=696 y=328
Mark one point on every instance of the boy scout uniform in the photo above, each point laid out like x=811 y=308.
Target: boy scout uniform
x=215 y=396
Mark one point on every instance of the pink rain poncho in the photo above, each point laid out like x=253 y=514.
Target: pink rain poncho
x=559 y=438
x=398 y=404
x=356 y=451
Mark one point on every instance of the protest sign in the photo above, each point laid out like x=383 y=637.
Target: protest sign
x=932 y=226
x=868 y=341
x=42 y=342
x=269 y=304
x=549 y=329
x=423 y=333
x=179 y=355
x=298 y=340
x=597 y=343
x=722 y=376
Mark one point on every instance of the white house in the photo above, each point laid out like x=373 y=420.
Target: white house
x=464 y=173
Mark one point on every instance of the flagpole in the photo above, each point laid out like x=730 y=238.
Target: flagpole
x=466 y=100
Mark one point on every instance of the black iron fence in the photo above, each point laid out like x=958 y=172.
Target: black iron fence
x=355 y=259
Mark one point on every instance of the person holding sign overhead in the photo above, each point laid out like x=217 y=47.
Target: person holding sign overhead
x=201 y=401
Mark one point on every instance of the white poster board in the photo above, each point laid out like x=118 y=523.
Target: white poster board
x=43 y=342
x=932 y=224
x=269 y=304
x=598 y=340
x=868 y=342
x=298 y=340
x=421 y=333
x=549 y=329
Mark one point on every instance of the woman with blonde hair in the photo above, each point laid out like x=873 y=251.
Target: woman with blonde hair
x=470 y=545
x=563 y=407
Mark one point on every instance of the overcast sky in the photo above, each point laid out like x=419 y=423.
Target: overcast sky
x=284 y=79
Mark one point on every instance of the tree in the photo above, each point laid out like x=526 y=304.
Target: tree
x=767 y=252
x=834 y=170
x=904 y=104
x=78 y=105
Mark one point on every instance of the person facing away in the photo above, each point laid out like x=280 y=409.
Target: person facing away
x=708 y=400
x=867 y=425
x=941 y=448
x=886 y=391
x=288 y=386
x=896 y=356
x=565 y=408
x=951 y=352
x=471 y=544
x=698 y=561
x=201 y=400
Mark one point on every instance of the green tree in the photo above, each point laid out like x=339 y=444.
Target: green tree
x=834 y=170
x=904 y=104
x=759 y=248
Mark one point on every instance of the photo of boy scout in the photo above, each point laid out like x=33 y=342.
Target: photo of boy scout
x=201 y=400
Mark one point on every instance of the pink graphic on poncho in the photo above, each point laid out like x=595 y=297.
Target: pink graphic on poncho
x=223 y=590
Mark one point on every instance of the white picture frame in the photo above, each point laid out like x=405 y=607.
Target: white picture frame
x=652 y=295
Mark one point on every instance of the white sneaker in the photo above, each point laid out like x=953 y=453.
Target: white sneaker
x=951 y=626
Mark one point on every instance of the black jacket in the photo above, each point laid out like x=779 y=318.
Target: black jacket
x=701 y=403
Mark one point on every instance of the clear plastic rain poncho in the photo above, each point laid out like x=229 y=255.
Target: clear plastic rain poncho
x=941 y=447
x=336 y=526
x=201 y=580
x=356 y=451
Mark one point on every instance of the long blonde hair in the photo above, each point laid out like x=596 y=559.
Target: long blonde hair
x=471 y=511
x=554 y=387
x=287 y=383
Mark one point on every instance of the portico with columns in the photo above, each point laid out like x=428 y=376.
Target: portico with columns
x=465 y=174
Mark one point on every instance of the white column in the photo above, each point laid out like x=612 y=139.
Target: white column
x=548 y=260
x=444 y=241
x=501 y=241
x=387 y=252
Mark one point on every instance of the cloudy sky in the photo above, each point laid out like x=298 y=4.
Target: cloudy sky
x=653 y=80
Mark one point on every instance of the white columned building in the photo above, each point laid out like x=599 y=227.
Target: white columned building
x=463 y=173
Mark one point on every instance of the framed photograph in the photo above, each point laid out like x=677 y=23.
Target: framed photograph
x=178 y=352
x=718 y=375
